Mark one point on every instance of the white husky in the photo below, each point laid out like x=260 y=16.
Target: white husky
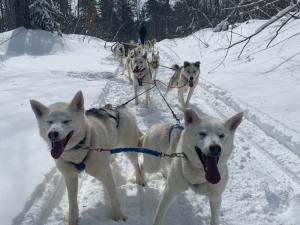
x=69 y=133
x=119 y=52
x=141 y=76
x=206 y=144
x=136 y=52
x=186 y=78
x=154 y=64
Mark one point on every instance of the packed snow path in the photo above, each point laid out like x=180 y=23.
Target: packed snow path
x=264 y=179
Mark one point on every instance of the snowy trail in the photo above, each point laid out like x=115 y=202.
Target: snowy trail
x=264 y=169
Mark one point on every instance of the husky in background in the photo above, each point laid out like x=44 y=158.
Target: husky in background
x=186 y=78
x=141 y=76
x=119 y=52
x=154 y=64
x=70 y=132
x=206 y=144
x=136 y=52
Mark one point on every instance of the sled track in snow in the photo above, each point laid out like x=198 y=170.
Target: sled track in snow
x=279 y=157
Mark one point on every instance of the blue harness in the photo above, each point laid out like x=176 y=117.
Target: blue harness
x=175 y=126
x=93 y=112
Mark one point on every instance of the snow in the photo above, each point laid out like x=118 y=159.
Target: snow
x=264 y=182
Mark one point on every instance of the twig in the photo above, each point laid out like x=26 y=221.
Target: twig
x=276 y=67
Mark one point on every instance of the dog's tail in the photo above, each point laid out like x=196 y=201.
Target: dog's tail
x=175 y=67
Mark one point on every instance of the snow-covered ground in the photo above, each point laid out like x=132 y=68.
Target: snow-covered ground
x=264 y=186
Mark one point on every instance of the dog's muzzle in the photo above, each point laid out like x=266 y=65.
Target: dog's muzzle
x=210 y=162
x=58 y=146
x=191 y=82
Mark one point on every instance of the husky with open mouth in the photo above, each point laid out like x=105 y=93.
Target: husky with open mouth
x=186 y=79
x=205 y=145
x=142 y=78
x=70 y=132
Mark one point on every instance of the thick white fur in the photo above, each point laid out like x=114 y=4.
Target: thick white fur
x=154 y=64
x=181 y=79
x=188 y=172
x=99 y=132
x=136 y=52
x=119 y=52
x=141 y=62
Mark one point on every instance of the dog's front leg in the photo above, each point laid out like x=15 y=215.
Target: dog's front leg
x=72 y=188
x=135 y=94
x=175 y=185
x=191 y=91
x=147 y=99
x=215 y=205
x=180 y=97
x=109 y=184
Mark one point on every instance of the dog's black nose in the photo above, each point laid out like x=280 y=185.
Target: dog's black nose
x=215 y=150
x=53 y=135
x=191 y=78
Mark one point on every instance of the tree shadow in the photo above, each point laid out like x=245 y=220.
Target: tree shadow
x=32 y=42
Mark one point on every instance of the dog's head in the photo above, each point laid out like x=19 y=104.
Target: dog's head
x=139 y=63
x=120 y=49
x=138 y=51
x=209 y=141
x=191 y=72
x=60 y=123
x=155 y=58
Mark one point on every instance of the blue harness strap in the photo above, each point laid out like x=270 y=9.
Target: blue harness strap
x=81 y=165
x=175 y=126
x=136 y=149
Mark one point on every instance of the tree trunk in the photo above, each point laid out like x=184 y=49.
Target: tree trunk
x=22 y=13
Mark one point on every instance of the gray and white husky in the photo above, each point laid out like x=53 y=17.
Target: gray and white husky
x=154 y=64
x=206 y=144
x=69 y=132
x=186 y=78
x=119 y=52
x=136 y=52
x=141 y=76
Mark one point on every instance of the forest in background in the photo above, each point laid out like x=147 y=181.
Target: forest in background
x=119 y=20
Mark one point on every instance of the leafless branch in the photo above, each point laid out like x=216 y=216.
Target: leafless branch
x=286 y=60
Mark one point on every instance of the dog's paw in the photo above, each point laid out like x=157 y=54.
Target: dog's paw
x=119 y=216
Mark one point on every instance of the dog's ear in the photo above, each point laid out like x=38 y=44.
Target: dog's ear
x=197 y=64
x=77 y=102
x=234 y=121
x=186 y=64
x=38 y=108
x=145 y=55
x=190 y=116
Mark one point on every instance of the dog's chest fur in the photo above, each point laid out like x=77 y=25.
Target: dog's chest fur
x=192 y=174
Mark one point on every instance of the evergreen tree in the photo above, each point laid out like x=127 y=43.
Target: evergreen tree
x=42 y=15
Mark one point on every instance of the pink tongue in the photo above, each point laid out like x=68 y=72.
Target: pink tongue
x=57 y=149
x=212 y=174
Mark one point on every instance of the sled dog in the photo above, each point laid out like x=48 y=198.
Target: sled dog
x=154 y=64
x=185 y=77
x=69 y=132
x=119 y=52
x=141 y=76
x=206 y=144
x=138 y=51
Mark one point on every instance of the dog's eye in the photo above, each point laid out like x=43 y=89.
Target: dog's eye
x=202 y=134
x=194 y=71
x=221 y=136
x=66 y=121
x=49 y=122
